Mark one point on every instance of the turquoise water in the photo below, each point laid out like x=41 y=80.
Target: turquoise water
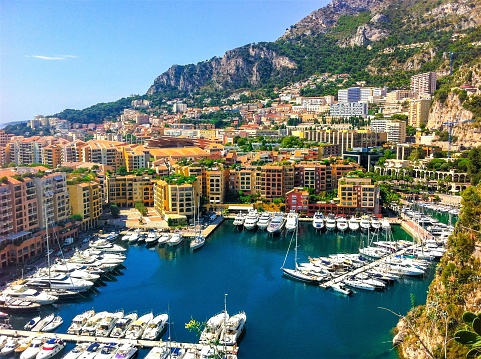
x=285 y=318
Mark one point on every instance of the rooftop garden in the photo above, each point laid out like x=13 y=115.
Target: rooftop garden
x=179 y=179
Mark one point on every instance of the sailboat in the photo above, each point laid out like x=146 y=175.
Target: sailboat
x=199 y=239
x=297 y=273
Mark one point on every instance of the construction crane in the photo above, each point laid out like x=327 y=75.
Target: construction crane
x=450 y=125
x=451 y=58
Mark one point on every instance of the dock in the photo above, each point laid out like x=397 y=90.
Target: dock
x=232 y=350
x=370 y=265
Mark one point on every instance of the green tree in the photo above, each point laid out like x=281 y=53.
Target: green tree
x=115 y=210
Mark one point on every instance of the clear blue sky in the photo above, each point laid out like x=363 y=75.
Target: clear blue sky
x=73 y=54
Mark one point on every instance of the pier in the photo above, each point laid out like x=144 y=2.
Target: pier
x=232 y=350
x=328 y=284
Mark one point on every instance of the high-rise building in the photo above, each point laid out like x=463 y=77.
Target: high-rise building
x=351 y=94
x=419 y=112
x=425 y=83
x=395 y=129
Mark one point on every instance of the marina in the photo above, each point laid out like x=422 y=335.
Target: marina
x=258 y=284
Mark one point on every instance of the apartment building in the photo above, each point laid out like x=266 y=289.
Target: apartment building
x=351 y=94
x=52 y=155
x=26 y=151
x=273 y=181
x=86 y=200
x=51 y=190
x=358 y=194
x=179 y=202
x=422 y=84
x=71 y=151
x=419 y=112
x=395 y=130
x=348 y=109
x=126 y=191
x=103 y=152
x=136 y=157
x=216 y=183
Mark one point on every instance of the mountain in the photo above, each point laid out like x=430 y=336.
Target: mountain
x=380 y=42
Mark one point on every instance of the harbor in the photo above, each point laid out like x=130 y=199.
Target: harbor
x=171 y=284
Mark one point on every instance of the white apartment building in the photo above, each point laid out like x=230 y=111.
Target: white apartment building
x=349 y=109
x=425 y=83
x=351 y=94
x=395 y=129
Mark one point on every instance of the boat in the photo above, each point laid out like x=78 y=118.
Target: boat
x=107 y=246
x=385 y=224
x=160 y=352
x=79 y=321
x=152 y=237
x=59 y=281
x=341 y=288
x=76 y=351
x=107 y=351
x=33 y=349
x=18 y=305
x=358 y=284
x=92 y=350
x=213 y=328
x=291 y=221
x=264 y=220
x=353 y=224
x=175 y=239
x=23 y=344
x=318 y=221
x=341 y=224
x=43 y=322
x=233 y=329
x=9 y=346
x=54 y=324
x=164 y=238
x=365 y=223
x=50 y=348
x=251 y=219
x=122 y=325
x=277 y=223
x=32 y=323
x=21 y=291
x=155 y=327
x=107 y=323
x=92 y=324
x=137 y=327
x=239 y=220
x=331 y=222
x=126 y=351
x=197 y=242
x=297 y=272
x=375 y=223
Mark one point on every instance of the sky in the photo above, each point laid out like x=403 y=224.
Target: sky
x=58 y=54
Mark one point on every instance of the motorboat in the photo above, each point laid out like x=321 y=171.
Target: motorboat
x=122 y=325
x=9 y=347
x=126 y=236
x=213 y=328
x=54 y=324
x=358 y=284
x=107 y=246
x=152 y=237
x=251 y=219
x=239 y=220
x=137 y=327
x=76 y=351
x=175 y=239
x=341 y=288
x=365 y=223
x=375 y=223
x=23 y=344
x=107 y=323
x=59 y=281
x=164 y=238
x=126 y=351
x=197 y=242
x=32 y=323
x=331 y=223
x=29 y=294
x=33 y=349
x=51 y=348
x=43 y=322
x=318 y=221
x=155 y=327
x=107 y=351
x=79 y=321
x=73 y=272
x=385 y=224
x=160 y=352
x=264 y=220
x=341 y=224
x=233 y=329
x=277 y=223
x=92 y=324
x=134 y=237
x=291 y=221
x=92 y=350
x=353 y=224
x=18 y=305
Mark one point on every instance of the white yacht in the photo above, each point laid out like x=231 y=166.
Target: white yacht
x=318 y=221
x=341 y=224
x=152 y=238
x=365 y=223
x=43 y=322
x=291 y=221
x=331 y=222
x=92 y=350
x=92 y=324
x=164 y=238
x=10 y=346
x=122 y=325
x=107 y=323
x=126 y=351
x=353 y=224
x=137 y=327
x=33 y=349
x=239 y=220
x=155 y=327
x=341 y=288
x=375 y=223
x=79 y=321
x=30 y=294
x=60 y=281
x=51 y=348
x=233 y=329
x=76 y=351
x=213 y=328
x=358 y=284
x=385 y=224
x=175 y=239
x=107 y=351
x=106 y=246
x=277 y=223
x=264 y=220
x=251 y=219
x=54 y=324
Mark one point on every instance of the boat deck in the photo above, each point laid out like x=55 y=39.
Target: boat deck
x=231 y=350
